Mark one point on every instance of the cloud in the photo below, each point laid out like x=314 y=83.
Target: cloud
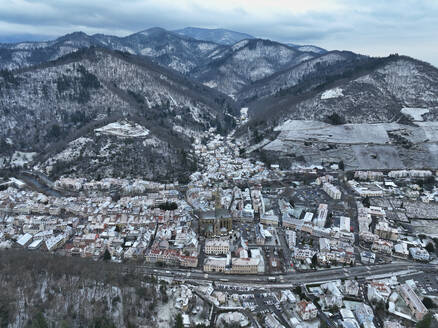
x=372 y=27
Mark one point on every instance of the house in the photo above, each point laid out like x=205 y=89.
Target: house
x=332 y=297
x=306 y=310
x=24 y=240
x=351 y=288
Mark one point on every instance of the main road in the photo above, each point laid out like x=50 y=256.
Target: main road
x=292 y=278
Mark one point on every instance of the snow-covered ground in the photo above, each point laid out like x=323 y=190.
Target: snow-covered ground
x=123 y=129
x=333 y=93
x=415 y=113
x=20 y=158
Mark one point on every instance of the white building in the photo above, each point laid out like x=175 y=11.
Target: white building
x=331 y=190
x=322 y=215
x=419 y=254
x=344 y=224
x=217 y=246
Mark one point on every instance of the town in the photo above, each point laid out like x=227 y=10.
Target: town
x=249 y=244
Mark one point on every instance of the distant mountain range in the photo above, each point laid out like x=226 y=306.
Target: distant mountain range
x=178 y=84
x=219 y=36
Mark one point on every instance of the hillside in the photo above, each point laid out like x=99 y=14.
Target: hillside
x=380 y=115
x=364 y=90
x=64 y=100
x=247 y=62
x=309 y=73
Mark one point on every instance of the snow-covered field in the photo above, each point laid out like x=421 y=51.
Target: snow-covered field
x=342 y=134
x=415 y=113
x=123 y=129
x=333 y=93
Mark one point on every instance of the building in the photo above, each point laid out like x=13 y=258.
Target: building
x=217 y=246
x=382 y=246
x=291 y=237
x=215 y=264
x=384 y=231
x=344 y=224
x=244 y=265
x=272 y=322
x=419 y=254
x=413 y=301
x=24 y=240
x=401 y=250
x=322 y=215
x=269 y=220
x=215 y=223
x=367 y=257
x=331 y=190
x=307 y=310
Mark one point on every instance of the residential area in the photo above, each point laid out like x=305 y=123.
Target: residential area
x=249 y=244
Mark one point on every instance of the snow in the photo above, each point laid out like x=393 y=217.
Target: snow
x=333 y=93
x=123 y=129
x=210 y=84
x=20 y=158
x=415 y=113
x=240 y=45
x=310 y=49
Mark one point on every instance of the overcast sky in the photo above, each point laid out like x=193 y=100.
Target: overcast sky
x=373 y=27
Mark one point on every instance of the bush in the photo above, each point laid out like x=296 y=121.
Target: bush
x=335 y=119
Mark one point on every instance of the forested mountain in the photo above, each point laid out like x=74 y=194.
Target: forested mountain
x=55 y=96
x=246 y=62
x=66 y=99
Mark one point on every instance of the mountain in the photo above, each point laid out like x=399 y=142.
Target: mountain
x=219 y=36
x=25 y=54
x=304 y=75
x=222 y=64
x=247 y=62
x=45 y=108
x=165 y=48
x=361 y=89
x=307 y=48
x=374 y=113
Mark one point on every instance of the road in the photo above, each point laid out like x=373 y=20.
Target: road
x=291 y=278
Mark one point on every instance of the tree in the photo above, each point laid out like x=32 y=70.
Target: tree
x=179 y=321
x=314 y=260
x=341 y=165
x=428 y=303
x=426 y=322
x=430 y=248
x=38 y=321
x=366 y=202
x=106 y=255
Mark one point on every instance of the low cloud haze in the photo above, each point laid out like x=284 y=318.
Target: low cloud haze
x=372 y=27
